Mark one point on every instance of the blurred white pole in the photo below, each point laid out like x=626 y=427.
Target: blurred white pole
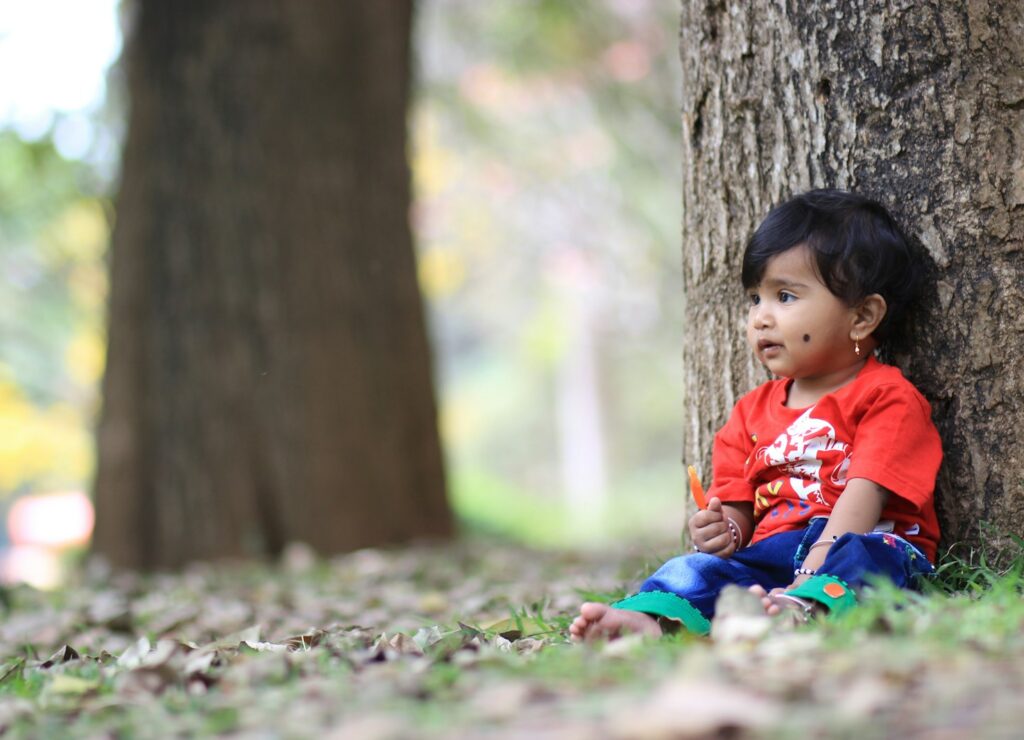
x=580 y=429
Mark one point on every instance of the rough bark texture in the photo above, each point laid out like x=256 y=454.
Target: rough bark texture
x=268 y=377
x=918 y=104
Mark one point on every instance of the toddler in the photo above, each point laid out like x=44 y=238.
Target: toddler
x=824 y=477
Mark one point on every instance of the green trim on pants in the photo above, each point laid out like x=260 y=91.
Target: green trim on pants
x=827 y=590
x=668 y=605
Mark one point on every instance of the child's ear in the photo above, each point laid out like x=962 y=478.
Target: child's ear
x=867 y=315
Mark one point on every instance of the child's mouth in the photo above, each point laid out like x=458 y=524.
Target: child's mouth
x=769 y=349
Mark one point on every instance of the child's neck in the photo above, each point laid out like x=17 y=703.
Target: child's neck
x=804 y=392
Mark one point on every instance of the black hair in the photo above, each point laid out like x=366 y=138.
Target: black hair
x=858 y=250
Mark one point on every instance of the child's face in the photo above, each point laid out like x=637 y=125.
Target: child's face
x=797 y=327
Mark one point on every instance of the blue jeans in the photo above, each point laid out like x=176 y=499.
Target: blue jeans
x=853 y=558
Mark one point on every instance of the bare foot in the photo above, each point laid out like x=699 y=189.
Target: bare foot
x=767 y=599
x=600 y=621
x=776 y=600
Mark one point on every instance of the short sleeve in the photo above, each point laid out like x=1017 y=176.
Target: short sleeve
x=728 y=461
x=896 y=444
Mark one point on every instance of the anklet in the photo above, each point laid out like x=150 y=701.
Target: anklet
x=804 y=572
x=801 y=608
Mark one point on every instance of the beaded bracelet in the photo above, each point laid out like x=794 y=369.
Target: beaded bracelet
x=734 y=530
x=804 y=572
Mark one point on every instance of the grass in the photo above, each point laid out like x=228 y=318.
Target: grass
x=497 y=657
x=972 y=568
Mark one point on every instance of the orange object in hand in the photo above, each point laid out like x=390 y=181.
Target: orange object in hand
x=696 y=488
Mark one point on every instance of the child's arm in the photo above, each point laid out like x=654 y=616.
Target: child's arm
x=858 y=510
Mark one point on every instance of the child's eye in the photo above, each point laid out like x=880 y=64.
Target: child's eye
x=754 y=299
x=786 y=297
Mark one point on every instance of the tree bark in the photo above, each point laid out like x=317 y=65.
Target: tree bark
x=268 y=375
x=917 y=104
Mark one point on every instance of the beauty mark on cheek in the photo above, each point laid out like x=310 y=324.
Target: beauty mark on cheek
x=807 y=337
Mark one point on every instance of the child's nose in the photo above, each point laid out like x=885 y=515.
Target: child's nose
x=760 y=317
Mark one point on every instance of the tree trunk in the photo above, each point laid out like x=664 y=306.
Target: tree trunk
x=268 y=375
x=917 y=104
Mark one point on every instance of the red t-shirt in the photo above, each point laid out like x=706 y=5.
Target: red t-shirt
x=793 y=464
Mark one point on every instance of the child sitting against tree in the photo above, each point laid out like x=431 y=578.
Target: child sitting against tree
x=823 y=479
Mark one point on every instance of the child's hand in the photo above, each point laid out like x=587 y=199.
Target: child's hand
x=709 y=531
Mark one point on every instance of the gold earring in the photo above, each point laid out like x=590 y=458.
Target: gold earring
x=856 y=346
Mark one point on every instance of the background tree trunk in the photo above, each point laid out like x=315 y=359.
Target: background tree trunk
x=918 y=104
x=269 y=376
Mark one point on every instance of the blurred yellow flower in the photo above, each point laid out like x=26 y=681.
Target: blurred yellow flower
x=433 y=166
x=441 y=272
x=79 y=234
x=50 y=446
x=85 y=357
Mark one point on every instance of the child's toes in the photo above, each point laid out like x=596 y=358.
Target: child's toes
x=758 y=590
x=593 y=612
x=770 y=607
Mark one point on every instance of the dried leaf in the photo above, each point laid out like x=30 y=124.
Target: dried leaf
x=161 y=654
x=144 y=681
x=371 y=727
x=199 y=662
x=307 y=641
x=514 y=628
x=75 y=685
x=428 y=636
x=249 y=634
x=502 y=701
x=172 y=618
x=265 y=647
x=12 y=671
x=688 y=708
x=63 y=655
x=132 y=657
x=529 y=645
x=433 y=602
x=14 y=708
x=404 y=645
x=110 y=609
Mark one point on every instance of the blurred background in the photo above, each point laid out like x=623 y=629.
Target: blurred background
x=545 y=157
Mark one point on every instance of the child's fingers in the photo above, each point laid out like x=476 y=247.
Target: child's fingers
x=707 y=517
x=719 y=552
x=703 y=532
x=712 y=537
x=721 y=545
x=704 y=526
x=715 y=504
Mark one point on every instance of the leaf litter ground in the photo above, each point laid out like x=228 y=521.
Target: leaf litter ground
x=470 y=639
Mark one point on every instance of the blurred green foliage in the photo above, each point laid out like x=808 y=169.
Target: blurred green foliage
x=53 y=238
x=546 y=164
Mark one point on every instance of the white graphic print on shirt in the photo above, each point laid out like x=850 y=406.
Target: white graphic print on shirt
x=796 y=452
